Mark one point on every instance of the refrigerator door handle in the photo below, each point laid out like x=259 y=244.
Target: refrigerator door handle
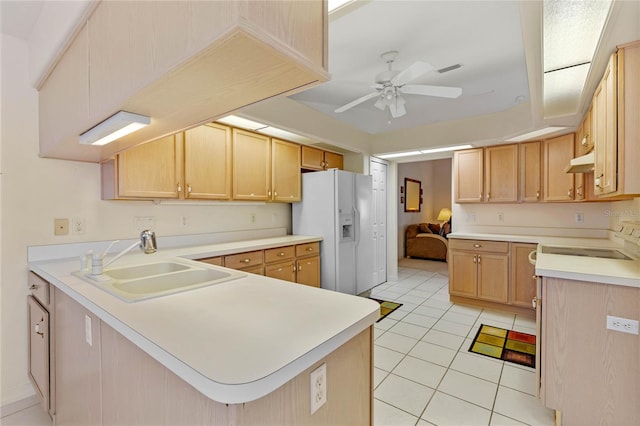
x=356 y=225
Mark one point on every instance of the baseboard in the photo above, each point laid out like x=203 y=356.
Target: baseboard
x=19 y=405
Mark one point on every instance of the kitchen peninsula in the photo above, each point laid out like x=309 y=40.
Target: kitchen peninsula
x=239 y=352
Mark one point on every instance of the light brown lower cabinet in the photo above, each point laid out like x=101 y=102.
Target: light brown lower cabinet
x=114 y=382
x=590 y=374
x=298 y=263
x=495 y=274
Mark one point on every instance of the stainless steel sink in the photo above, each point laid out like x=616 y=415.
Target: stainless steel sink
x=585 y=252
x=151 y=280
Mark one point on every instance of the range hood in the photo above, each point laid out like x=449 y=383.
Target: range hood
x=582 y=164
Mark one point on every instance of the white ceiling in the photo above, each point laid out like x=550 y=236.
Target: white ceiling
x=497 y=42
x=484 y=37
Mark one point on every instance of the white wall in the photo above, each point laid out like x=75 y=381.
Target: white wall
x=435 y=177
x=34 y=191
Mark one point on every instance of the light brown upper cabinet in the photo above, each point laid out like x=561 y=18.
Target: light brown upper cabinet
x=530 y=171
x=616 y=128
x=195 y=164
x=285 y=171
x=180 y=62
x=151 y=170
x=501 y=173
x=207 y=162
x=317 y=159
x=556 y=154
x=468 y=175
x=265 y=169
x=251 y=166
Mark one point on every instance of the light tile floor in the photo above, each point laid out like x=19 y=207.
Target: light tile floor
x=424 y=374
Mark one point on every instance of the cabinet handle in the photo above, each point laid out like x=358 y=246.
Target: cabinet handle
x=36 y=328
x=293 y=267
x=570 y=192
x=281 y=253
x=269 y=193
x=309 y=248
x=537 y=195
x=534 y=277
x=275 y=193
x=481 y=195
x=189 y=188
x=584 y=142
x=33 y=287
x=534 y=303
x=488 y=196
x=477 y=245
x=179 y=187
x=474 y=259
x=247 y=260
x=478 y=259
x=579 y=191
x=598 y=181
x=299 y=267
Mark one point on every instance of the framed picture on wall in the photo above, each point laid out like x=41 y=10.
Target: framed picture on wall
x=413 y=195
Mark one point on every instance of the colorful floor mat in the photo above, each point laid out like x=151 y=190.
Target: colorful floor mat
x=507 y=345
x=386 y=307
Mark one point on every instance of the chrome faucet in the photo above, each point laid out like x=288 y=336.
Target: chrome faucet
x=147 y=243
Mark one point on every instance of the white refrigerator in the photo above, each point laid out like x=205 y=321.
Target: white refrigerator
x=337 y=205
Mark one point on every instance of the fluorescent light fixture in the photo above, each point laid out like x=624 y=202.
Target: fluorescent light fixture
x=118 y=125
x=399 y=154
x=445 y=149
x=243 y=123
x=424 y=151
x=571 y=31
x=536 y=134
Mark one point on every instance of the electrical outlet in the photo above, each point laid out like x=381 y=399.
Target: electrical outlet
x=184 y=220
x=253 y=218
x=579 y=217
x=87 y=330
x=318 y=387
x=144 y=222
x=77 y=225
x=624 y=325
x=501 y=216
x=60 y=226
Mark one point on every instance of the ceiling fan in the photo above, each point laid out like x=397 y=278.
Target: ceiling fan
x=391 y=83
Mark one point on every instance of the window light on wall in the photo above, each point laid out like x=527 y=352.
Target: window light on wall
x=571 y=32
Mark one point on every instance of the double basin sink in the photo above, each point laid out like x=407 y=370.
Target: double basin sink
x=149 y=280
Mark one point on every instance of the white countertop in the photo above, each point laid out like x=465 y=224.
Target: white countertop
x=591 y=269
x=235 y=341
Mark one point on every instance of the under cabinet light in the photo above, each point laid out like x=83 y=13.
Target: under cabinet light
x=118 y=125
x=445 y=149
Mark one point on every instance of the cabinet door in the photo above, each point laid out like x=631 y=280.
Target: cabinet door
x=283 y=271
x=501 y=173
x=39 y=349
x=333 y=160
x=605 y=130
x=522 y=288
x=462 y=273
x=151 y=170
x=285 y=166
x=312 y=158
x=468 y=176
x=493 y=277
x=308 y=271
x=557 y=153
x=530 y=171
x=251 y=166
x=207 y=162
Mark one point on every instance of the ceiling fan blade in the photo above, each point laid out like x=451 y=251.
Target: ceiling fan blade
x=411 y=73
x=397 y=108
x=356 y=102
x=440 y=91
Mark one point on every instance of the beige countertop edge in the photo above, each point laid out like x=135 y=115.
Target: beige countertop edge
x=133 y=322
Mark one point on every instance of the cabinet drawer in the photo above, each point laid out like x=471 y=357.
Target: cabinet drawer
x=39 y=289
x=279 y=253
x=255 y=269
x=308 y=249
x=479 y=245
x=243 y=260
x=212 y=260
